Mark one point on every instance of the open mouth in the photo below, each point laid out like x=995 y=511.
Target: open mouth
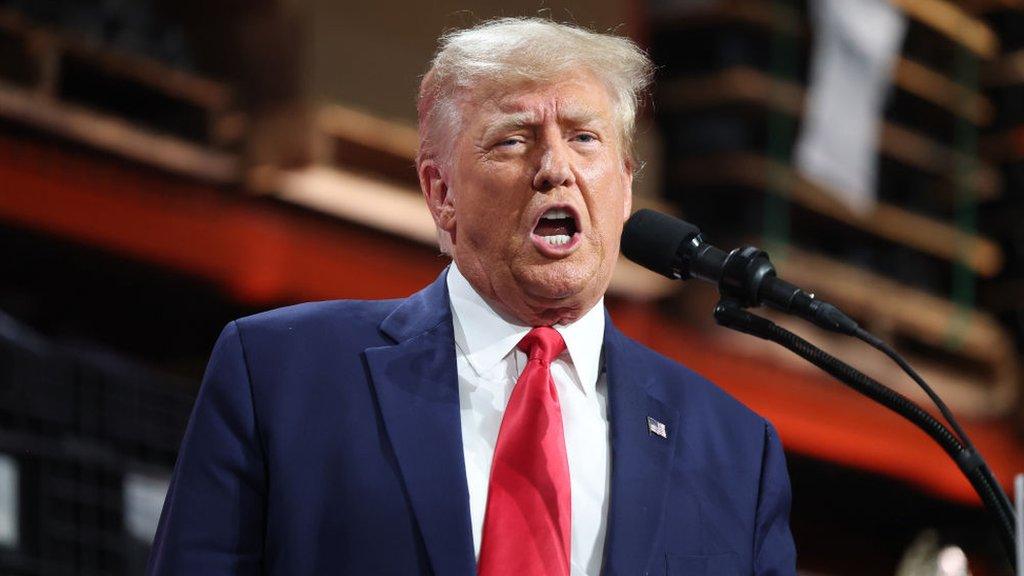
x=557 y=230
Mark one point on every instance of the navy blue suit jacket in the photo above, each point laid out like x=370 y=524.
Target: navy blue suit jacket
x=326 y=439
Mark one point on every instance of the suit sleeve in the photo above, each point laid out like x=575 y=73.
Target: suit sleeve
x=774 y=551
x=214 y=513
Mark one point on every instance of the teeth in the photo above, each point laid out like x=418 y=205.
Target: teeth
x=555 y=214
x=557 y=240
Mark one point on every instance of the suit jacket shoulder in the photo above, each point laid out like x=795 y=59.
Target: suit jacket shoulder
x=311 y=321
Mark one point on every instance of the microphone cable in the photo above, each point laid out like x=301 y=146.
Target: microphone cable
x=970 y=463
x=968 y=446
x=675 y=248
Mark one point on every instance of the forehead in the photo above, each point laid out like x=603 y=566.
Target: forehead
x=579 y=98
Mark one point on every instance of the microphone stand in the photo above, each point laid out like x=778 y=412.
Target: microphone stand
x=746 y=278
x=730 y=313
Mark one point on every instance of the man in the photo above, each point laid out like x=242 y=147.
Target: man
x=495 y=422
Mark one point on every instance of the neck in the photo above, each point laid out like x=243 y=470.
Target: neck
x=517 y=306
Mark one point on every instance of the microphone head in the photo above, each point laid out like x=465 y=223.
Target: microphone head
x=652 y=240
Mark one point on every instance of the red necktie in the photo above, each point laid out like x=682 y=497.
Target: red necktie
x=526 y=527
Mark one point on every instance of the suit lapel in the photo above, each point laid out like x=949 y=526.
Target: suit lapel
x=641 y=460
x=416 y=382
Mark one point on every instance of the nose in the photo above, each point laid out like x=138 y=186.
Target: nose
x=555 y=168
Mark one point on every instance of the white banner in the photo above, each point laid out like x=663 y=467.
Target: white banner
x=8 y=501
x=143 y=500
x=856 y=44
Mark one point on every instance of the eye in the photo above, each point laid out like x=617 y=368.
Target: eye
x=508 y=142
x=585 y=137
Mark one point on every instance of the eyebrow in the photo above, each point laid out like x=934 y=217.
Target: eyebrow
x=509 y=122
x=569 y=114
x=576 y=114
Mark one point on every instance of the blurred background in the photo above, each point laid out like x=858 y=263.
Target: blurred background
x=167 y=166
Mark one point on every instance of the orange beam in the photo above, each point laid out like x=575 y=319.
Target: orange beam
x=265 y=253
x=257 y=250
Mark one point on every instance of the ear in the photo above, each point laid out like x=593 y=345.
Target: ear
x=440 y=200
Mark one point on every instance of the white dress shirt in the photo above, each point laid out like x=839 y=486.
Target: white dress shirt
x=489 y=365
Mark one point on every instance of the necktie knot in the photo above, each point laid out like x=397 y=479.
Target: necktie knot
x=543 y=343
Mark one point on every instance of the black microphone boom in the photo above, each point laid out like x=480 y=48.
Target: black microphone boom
x=746 y=278
x=676 y=249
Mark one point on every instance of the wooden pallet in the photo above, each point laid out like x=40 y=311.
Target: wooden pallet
x=747 y=85
x=67 y=68
x=117 y=136
x=966 y=355
x=951 y=20
x=364 y=142
x=940 y=90
x=988 y=6
x=944 y=16
x=1008 y=70
x=913 y=77
x=922 y=233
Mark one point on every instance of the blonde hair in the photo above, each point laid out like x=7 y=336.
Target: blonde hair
x=510 y=51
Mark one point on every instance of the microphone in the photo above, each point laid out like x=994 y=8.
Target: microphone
x=676 y=249
x=746 y=278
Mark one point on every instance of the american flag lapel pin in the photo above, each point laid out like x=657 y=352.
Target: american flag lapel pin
x=655 y=427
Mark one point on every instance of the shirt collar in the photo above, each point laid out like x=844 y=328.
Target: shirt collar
x=485 y=336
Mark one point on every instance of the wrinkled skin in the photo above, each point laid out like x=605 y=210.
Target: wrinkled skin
x=519 y=152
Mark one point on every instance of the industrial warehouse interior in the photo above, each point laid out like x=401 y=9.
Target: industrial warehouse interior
x=167 y=167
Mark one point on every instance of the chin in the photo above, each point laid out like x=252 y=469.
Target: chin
x=559 y=281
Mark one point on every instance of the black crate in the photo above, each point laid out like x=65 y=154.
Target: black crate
x=93 y=438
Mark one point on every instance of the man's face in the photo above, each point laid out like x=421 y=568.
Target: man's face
x=536 y=195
